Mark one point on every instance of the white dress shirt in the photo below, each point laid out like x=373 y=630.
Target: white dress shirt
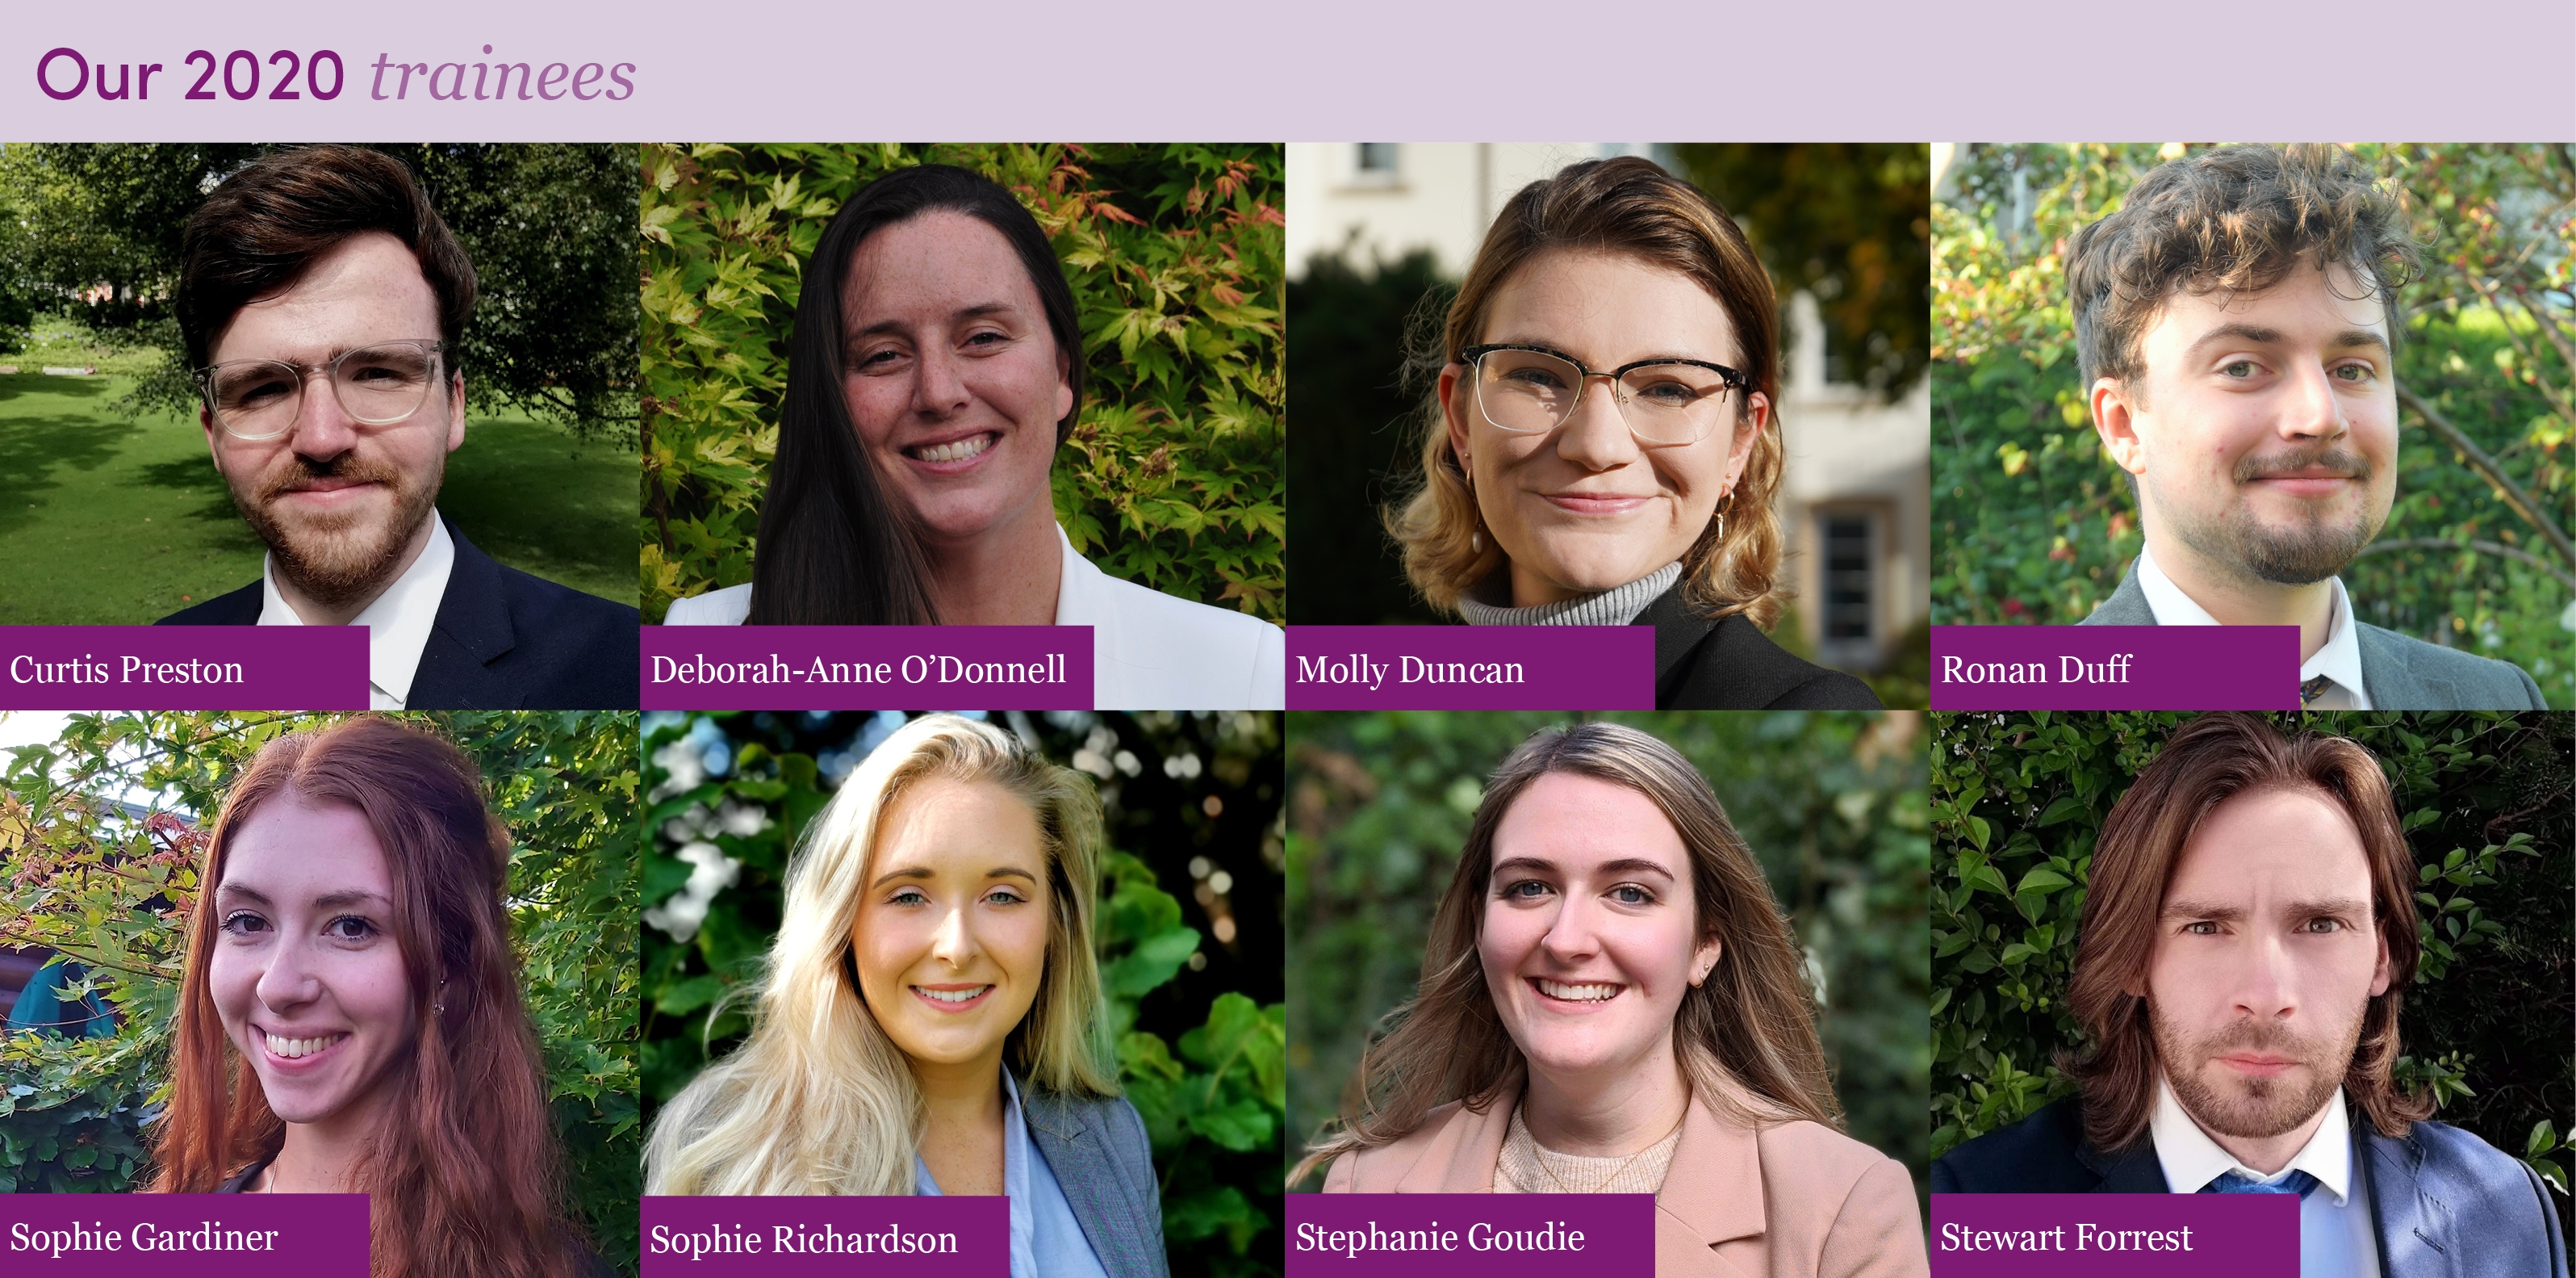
x=2335 y=1238
x=398 y=621
x=1149 y=650
x=2339 y=660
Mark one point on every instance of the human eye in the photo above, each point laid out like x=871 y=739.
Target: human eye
x=1632 y=894
x=2239 y=370
x=1534 y=377
x=1005 y=896
x=876 y=361
x=987 y=339
x=2357 y=372
x=242 y=923
x=2323 y=924
x=909 y=896
x=2200 y=927
x=1525 y=890
x=350 y=927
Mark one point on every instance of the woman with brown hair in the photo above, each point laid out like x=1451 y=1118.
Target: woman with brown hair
x=349 y=1016
x=1603 y=446
x=1612 y=1003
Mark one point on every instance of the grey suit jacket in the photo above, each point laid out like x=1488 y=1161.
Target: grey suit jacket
x=1102 y=1159
x=2398 y=672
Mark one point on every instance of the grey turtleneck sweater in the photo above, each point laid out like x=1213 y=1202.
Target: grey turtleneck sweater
x=1616 y=606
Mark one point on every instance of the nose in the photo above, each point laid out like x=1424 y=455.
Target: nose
x=1571 y=936
x=2267 y=987
x=938 y=384
x=2313 y=410
x=954 y=943
x=322 y=430
x=288 y=981
x=1595 y=437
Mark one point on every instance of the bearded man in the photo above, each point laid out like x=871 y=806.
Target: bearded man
x=321 y=299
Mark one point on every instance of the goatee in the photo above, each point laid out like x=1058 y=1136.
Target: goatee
x=338 y=558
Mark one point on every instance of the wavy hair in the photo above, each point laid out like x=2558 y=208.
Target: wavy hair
x=1746 y=1036
x=1627 y=206
x=466 y=1176
x=819 y=1100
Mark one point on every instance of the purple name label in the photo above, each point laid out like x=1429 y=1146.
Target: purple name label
x=154 y=1235
x=956 y=1237
x=1489 y=1235
x=865 y=667
x=2115 y=667
x=2115 y=1235
x=1471 y=668
x=183 y=667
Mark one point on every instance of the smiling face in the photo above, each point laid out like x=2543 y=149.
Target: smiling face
x=2266 y=958
x=951 y=934
x=340 y=503
x=306 y=975
x=1589 y=936
x=952 y=378
x=1586 y=507
x=2265 y=434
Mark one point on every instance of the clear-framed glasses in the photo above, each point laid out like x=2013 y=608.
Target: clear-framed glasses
x=1530 y=390
x=379 y=385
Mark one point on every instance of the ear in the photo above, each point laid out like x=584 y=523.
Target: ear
x=1704 y=961
x=1063 y=386
x=2115 y=420
x=1455 y=404
x=206 y=421
x=455 y=411
x=2379 y=973
x=1756 y=417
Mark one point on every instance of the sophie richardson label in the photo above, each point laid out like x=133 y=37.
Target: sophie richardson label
x=1488 y=1235
x=157 y=1235
x=865 y=667
x=932 y=1237
x=2115 y=1235
x=1471 y=668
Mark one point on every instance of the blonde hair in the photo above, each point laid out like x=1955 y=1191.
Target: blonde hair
x=1627 y=206
x=819 y=1100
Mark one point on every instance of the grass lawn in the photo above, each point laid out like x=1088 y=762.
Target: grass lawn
x=106 y=520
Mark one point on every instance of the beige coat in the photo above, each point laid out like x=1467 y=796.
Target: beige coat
x=1794 y=1200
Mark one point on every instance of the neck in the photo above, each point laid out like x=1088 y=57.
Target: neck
x=2238 y=599
x=1607 y=1112
x=2268 y=1154
x=323 y=1157
x=1007 y=575
x=1530 y=590
x=967 y=1094
x=314 y=612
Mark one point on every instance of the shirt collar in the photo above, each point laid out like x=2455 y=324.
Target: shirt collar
x=2191 y=1159
x=2339 y=660
x=398 y=621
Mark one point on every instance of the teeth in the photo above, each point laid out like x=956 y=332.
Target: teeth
x=1577 y=993
x=291 y=1048
x=958 y=451
x=954 y=996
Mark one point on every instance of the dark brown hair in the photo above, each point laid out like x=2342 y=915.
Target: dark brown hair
x=2210 y=760
x=2237 y=218
x=465 y=1179
x=260 y=230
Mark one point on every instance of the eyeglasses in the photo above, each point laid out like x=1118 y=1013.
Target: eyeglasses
x=1530 y=390
x=377 y=385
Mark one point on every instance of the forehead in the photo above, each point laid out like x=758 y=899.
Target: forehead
x=1576 y=821
x=946 y=825
x=2272 y=845
x=2306 y=306
x=367 y=288
x=1608 y=308
x=291 y=850
x=931 y=266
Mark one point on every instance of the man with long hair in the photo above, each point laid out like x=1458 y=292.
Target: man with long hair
x=2247 y=938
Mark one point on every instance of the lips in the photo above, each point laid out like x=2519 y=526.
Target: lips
x=301 y=1048
x=1595 y=503
x=954 y=998
x=953 y=452
x=2259 y=1064
x=1576 y=991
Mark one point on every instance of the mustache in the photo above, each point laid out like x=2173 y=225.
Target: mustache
x=2323 y=456
x=2254 y=1036
x=304 y=470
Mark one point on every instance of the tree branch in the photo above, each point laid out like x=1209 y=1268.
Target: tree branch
x=2483 y=547
x=2479 y=461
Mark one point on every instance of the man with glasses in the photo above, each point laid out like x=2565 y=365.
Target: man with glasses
x=321 y=299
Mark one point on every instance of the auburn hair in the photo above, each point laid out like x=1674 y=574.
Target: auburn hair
x=465 y=1177
x=2212 y=759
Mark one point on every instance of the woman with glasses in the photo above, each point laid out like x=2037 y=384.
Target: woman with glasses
x=1602 y=449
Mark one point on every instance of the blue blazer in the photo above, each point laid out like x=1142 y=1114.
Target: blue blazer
x=2442 y=1202
x=504 y=640
x=1102 y=1159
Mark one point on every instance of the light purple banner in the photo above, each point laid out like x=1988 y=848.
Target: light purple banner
x=1471 y=667
x=157 y=1235
x=183 y=668
x=2115 y=1235
x=1488 y=1235
x=933 y=1237
x=2115 y=667
x=865 y=667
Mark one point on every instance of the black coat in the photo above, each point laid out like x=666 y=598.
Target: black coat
x=1702 y=664
x=504 y=640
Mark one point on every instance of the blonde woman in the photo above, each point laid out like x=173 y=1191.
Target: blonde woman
x=931 y=1021
x=1611 y=1003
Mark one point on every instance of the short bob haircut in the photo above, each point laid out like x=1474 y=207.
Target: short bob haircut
x=819 y=1100
x=833 y=550
x=2212 y=759
x=1746 y=1036
x=1627 y=206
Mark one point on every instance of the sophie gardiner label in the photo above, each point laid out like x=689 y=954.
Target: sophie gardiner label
x=155 y=1235
x=183 y=667
x=863 y=667
x=2115 y=1235
x=1488 y=1235
x=2115 y=667
x=1471 y=668
x=958 y=1237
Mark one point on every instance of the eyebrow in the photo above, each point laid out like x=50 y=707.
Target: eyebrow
x=977 y=311
x=2348 y=339
x=924 y=872
x=328 y=900
x=2195 y=911
x=1553 y=349
x=1624 y=865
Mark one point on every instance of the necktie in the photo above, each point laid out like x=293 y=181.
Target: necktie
x=2298 y=1182
x=2314 y=688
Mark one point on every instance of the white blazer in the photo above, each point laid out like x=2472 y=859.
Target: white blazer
x=1149 y=650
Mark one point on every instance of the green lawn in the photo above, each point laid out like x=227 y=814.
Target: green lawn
x=106 y=520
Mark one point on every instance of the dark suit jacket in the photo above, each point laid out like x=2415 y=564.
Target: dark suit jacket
x=1099 y=1154
x=504 y=640
x=2442 y=1202
x=1731 y=665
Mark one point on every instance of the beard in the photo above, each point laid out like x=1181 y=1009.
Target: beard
x=2254 y=1108
x=2308 y=551
x=337 y=558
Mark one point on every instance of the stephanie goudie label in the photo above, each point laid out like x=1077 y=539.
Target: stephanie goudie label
x=918 y=1237
x=1488 y=1235
x=157 y=1235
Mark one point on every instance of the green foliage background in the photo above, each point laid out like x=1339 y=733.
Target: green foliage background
x=2032 y=521
x=1189 y=927
x=2018 y=801
x=78 y=875
x=1173 y=476
x=1832 y=805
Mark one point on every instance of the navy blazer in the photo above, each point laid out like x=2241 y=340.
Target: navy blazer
x=2442 y=1202
x=504 y=640
x=1101 y=1158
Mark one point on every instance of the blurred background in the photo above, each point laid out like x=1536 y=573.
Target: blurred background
x=1380 y=232
x=1189 y=924
x=1831 y=803
x=2035 y=523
